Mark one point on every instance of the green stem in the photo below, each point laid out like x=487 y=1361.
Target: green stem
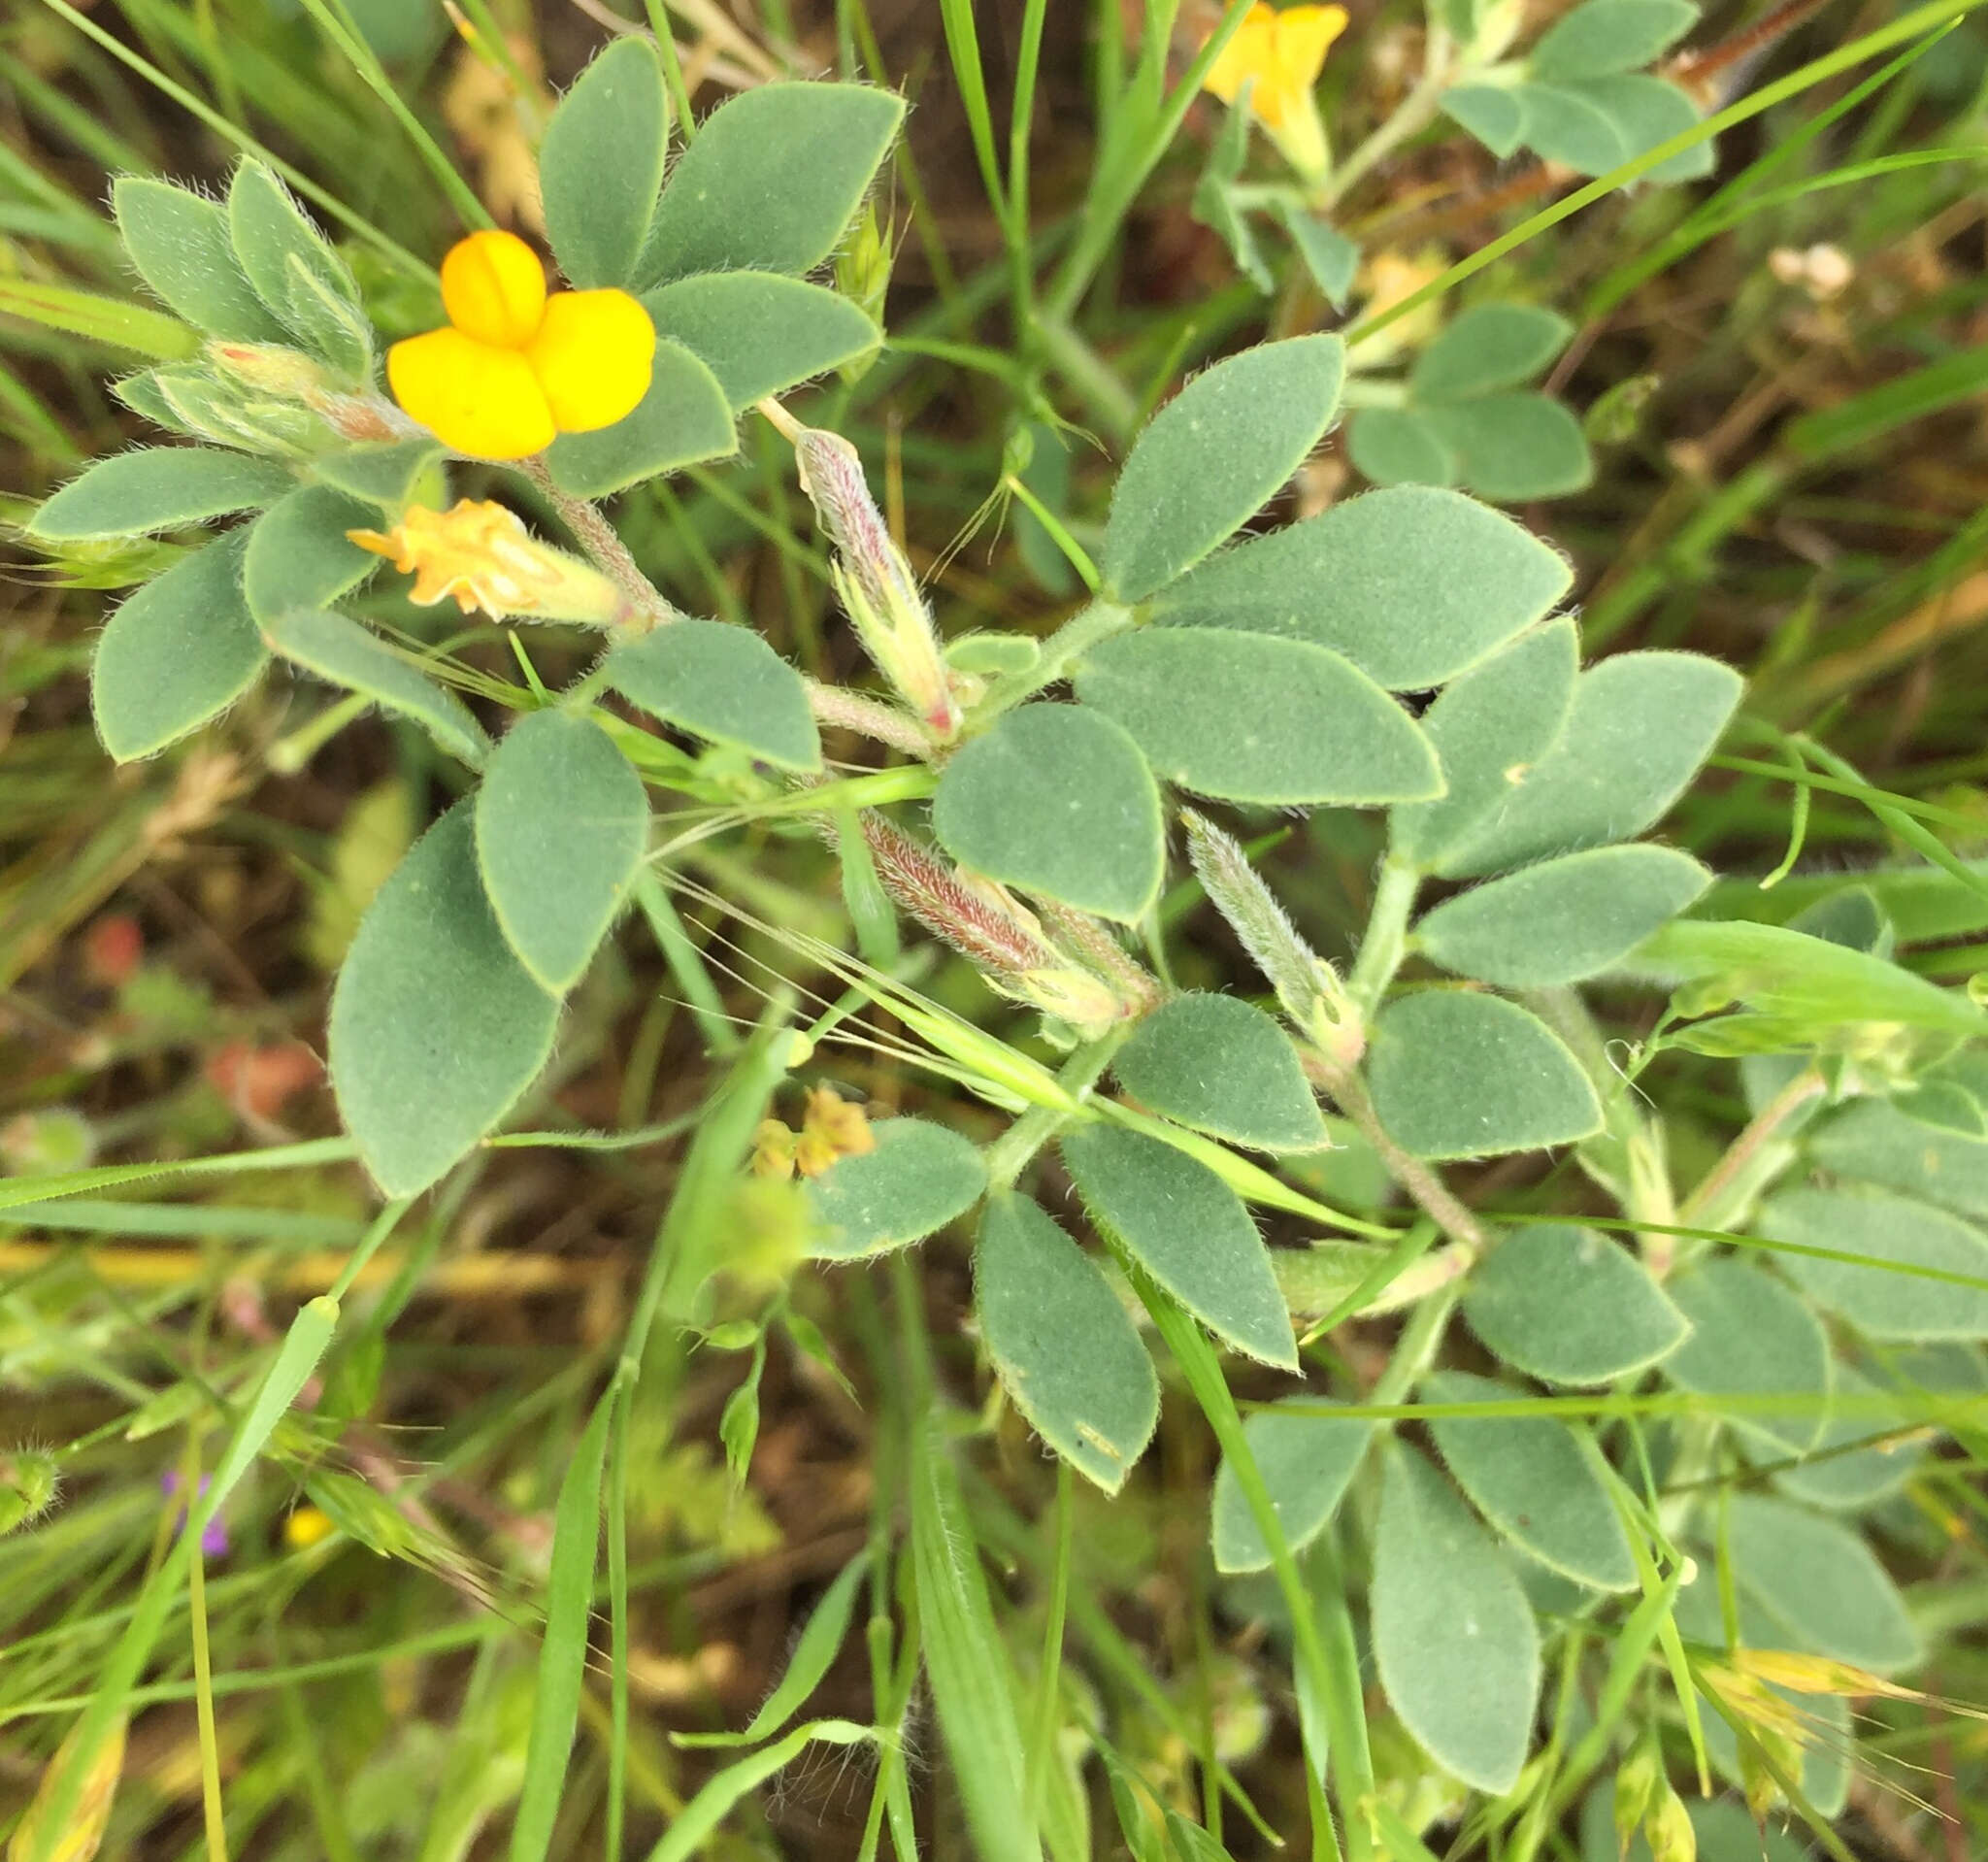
x=1385 y=943
x=686 y=963
x=1413 y=115
x=1061 y=651
x=603 y=542
x=1095 y=380
x=1010 y=1154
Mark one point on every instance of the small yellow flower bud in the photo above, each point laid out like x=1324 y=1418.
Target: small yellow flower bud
x=306 y=1527
x=483 y=556
x=270 y=368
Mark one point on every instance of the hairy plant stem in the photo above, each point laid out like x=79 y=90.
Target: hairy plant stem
x=870 y=717
x=1010 y=1154
x=1707 y=1205
x=1348 y=1091
x=603 y=544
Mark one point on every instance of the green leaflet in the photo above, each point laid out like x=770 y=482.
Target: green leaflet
x=683 y=421
x=436 y=1027
x=383 y=473
x=1603 y=37
x=179 y=241
x=1820 y=1582
x=1213 y=456
x=1890 y=1232
x=1056 y=799
x=1186 y=1228
x=723 y=682
x=1877 y=1141
x=1489 y=727
x=1399 y=448
x=1067 y=1351
x=1455 y=1074
x=293 y=269
x=1453 y=1636
x=299 y=555
x=771 y=181
x=179 y=651
x=562 y=821
x=1568 y=1305
x=1251 y=718
x=601 y=164
x=1513 y=446
x=1223 y=1066
x=1841 y=1476
x=157 y=488
x=1528 y=1477
x=1640 y=726
x=348 y=654
x=1307 y=1462
x=1751 y=1336
x=760 y=334
x=919 y=1178
x=1489 y=347
x=1564 y=920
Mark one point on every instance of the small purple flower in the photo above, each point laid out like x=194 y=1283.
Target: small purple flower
x=213 y=1538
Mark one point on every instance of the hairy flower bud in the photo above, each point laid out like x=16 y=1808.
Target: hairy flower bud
x=1307 y=987
x=875 y=580
x=1001 y=936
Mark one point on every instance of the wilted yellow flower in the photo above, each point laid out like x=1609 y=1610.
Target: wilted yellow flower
x=483 y=556
x=517 y=367
x=839 y=1123
x=1280 y=56
x=830 y=1129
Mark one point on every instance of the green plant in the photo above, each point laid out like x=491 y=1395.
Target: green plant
x=1660 y=1495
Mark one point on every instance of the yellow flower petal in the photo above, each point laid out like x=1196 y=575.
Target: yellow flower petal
x=472 y=397
x=592 y=356
x=494 y=289
x=1248 y=54
x=1302 y=36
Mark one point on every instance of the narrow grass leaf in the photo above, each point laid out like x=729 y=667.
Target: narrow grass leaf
x=562 y=1659
x=965 y=1661
x=813 y=1656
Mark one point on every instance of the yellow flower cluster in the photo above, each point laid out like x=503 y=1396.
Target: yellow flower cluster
x=517 y=366
x=1278 y=55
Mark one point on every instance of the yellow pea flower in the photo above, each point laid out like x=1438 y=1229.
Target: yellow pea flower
x=1283 y=53
x=517 y=367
